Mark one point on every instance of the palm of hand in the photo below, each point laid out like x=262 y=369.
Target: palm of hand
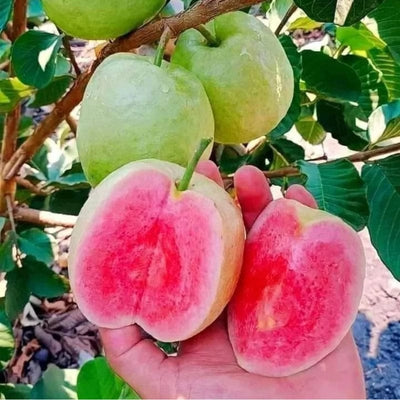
x=206 y=366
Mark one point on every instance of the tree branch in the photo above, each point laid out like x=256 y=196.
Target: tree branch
x=72 y=124
x=202 y=12
x=71 y=55
x=9 y=144
x=285 y=19
x=44 y=217
x=356 y=157
x=31 y=187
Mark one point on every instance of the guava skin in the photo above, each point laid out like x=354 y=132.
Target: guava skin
x=134 y=110
x=247 y=77
x=101 y=20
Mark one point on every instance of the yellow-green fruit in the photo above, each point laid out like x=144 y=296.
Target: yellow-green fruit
x=247 y=76
x=101 y=19
x=134 y=110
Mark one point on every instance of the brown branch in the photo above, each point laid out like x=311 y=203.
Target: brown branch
x=285 y=19
x=30 y=186
x=72 y=124
x=45 y=218
x=356 y=157
x=379 y=151
x=200 y=13
x=47 y=126
x=19 y=19
x=4 y=65
x=9 y=144
x=71 y=55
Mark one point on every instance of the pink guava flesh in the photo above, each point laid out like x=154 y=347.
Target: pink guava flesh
x=299 y=291
x=150 y=258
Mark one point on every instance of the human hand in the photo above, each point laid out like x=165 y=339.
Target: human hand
x=205 y=366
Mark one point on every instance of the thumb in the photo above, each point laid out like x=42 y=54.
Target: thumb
x=136 y=360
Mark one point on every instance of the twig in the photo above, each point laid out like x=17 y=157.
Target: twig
x=4 y=65
x=30 y=186
x=45 y=218
x=19 y=19
x=356 y=157
x=71 y=55
x=366 y=155
x=72 y=123
x=202 y=12
x=285 y=19
x=9 y=145
x=10 y=211
x=46 y=127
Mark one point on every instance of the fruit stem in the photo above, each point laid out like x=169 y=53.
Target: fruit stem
x=161 y=46
x=187 y=176
x=211 y=39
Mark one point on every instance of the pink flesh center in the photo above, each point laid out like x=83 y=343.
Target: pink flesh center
x=151 y=257
x=295 y=295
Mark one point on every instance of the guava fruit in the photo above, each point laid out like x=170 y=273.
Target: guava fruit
x=299 y=290
x=134 y=110
x=105 y=19
x=247 y=76
x=144 y=252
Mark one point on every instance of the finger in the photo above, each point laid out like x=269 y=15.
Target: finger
x=136 y=360
x=302 y=195
x=253 y=192
x=210 y=170
x=213 y=342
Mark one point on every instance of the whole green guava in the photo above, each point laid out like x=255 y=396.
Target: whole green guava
x=247 y=75
x=101 y=19
x=133 y=110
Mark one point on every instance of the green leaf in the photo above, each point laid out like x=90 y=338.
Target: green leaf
x=373 y=90
x=277 y=10
x=42 y=281
x=330 y=78
x=7 y=262
x=384 y=124
x=2 y=223
x=6 y=337
x=232 y=159
x=311 y=130
x=52 y=92
x=5 y=47
x=358 y=37
x=341 y=12
x=17 y=293
x=11 y=92
x=68 y=201
x=332 y=117
x=294 y=111
x=35 y=9
x=5 y=11
x=34 y=242
x=284 y=152
x=382 y=179
x=15 y=391
x=387 y=17
x=304 y=23
x=34 y=57
x=56 y=383
x=338 y=189
x=24 y=129
x=390 y=69
x=96 y=380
